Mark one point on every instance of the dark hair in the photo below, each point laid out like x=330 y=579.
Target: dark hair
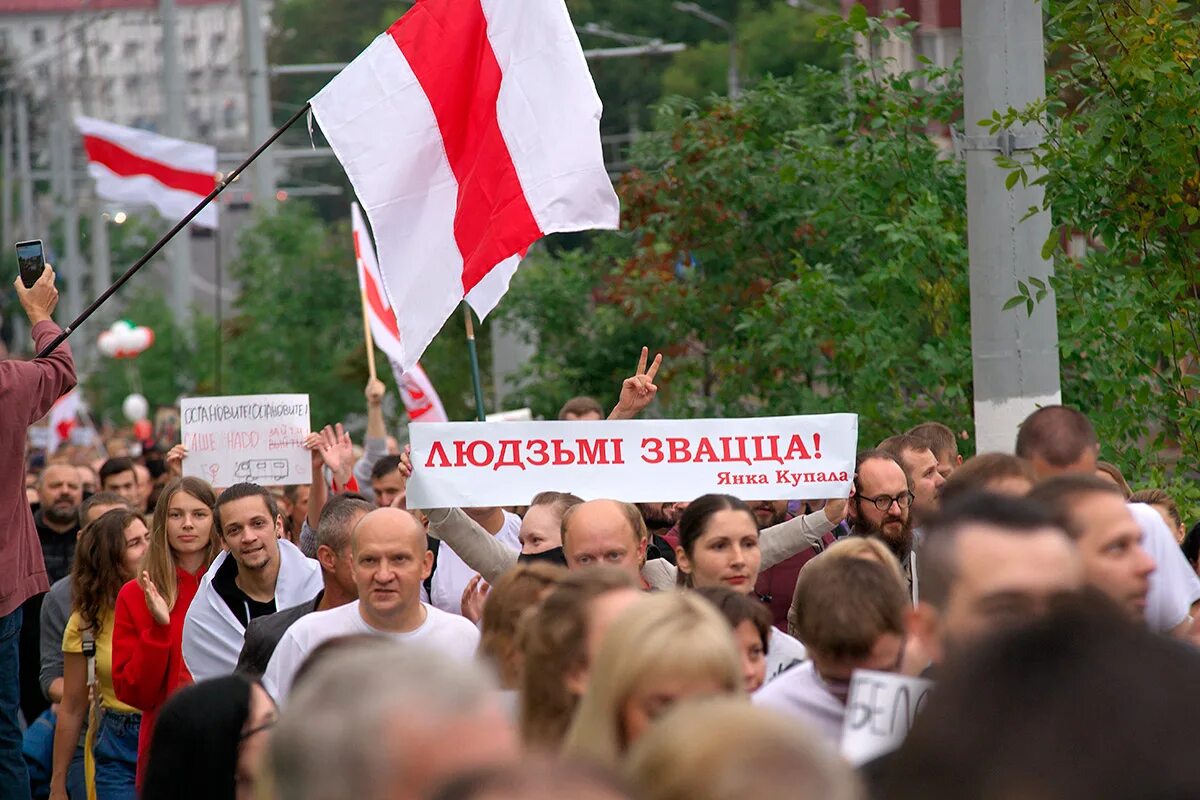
x=976 y=473
x=580 y=406
x=333 y=526
x=738 y=608
x=1191 y=545
x=937 y=567
x=96 y=575
x=875 y=454
x=559 y=501
x=1037 y=712
x=240 y=491
x=385 y=466
x=694 y=520
x=115 y=466
x=100 y=499
x=194 y=751
x=1058 y=495
x=902 y=443
x=1059 y=435
x=938 y=437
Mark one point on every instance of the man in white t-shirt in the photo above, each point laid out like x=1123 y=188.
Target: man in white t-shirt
x=390 y=558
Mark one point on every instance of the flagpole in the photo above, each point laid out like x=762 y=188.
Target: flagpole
x=169 y=235
x=368 y=338
x=470 y=322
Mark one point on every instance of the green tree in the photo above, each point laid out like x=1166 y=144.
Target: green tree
x=800 y=251
x=1121 y=168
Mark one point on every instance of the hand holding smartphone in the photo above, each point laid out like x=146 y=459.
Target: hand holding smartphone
x=31 y=260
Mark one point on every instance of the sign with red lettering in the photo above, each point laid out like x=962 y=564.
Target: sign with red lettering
x=247 y=439
x=507 y=463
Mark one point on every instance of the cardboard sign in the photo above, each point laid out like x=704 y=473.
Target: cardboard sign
x=247 y=438
x=506 y=463
x=880 y=712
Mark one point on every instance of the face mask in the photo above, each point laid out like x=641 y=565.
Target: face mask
x=554 y=555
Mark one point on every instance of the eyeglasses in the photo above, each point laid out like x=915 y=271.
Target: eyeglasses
x=884 y=501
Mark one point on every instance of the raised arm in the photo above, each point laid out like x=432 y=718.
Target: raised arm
x=478 y=549
x=638 y=391
x=783 y=541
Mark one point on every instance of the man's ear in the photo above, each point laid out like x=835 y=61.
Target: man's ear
x=924 y=626
x=427 y=566
x=279 y=526
x=327 y=558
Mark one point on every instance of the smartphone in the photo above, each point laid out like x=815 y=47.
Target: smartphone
x=32 y=261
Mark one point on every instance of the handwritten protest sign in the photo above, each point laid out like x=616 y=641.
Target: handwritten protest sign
x=507 y=463
x=880 y=712
x=247 y=438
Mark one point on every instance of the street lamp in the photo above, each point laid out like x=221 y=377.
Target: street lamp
x=697 y=11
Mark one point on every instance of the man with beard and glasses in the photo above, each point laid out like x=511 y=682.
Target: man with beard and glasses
x=777 y=585
x=257 y=574
x=881 y=505
x=57 y=521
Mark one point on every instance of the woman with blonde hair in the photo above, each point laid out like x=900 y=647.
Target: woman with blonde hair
x=724 y=749
x=558 y=644
x=148 y=628
x=663 y=649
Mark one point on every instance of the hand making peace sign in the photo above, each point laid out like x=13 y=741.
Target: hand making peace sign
x=638 y=391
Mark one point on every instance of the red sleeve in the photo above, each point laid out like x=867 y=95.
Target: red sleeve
x=33 y=386
x=141 y=652
x=351 y=485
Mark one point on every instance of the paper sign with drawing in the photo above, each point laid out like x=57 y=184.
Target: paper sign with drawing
x=247 y=438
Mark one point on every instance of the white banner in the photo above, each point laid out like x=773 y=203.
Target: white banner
x=506 y=463
x=880 y=712
x=247 y=438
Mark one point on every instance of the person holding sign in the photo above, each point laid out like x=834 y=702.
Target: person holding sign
x=258 y=574
x=851 y=616
x=718 y=546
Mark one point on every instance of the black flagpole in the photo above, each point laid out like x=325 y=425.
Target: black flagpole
x=169 y=235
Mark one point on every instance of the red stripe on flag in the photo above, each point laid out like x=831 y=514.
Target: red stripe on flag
x=445 y=43
x=375 y=297
x=127 y=164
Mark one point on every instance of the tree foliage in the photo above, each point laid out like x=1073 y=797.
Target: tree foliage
x=799 y=251
x=1121 y=169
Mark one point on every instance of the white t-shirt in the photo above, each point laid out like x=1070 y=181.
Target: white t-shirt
x=451 y=575
x=452 y=636
x=800 y=694
x=783 y=652
x=1173 y=584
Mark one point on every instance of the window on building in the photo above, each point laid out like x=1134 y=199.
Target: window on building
x=132 y=83
x=189 y=45
x=217 y=42
x=103 y=50
x=38 y=36
x=131 y=49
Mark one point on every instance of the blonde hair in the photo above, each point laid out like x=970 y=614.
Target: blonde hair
x=670 y=632
x=516 y=595
x=160 y=559
x=866 y=547
x=553 y=642
x=726 y=749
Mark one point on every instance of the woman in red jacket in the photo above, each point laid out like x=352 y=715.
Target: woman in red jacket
x=148 y=630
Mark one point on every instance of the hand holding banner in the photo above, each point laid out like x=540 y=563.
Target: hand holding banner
x=471 y=464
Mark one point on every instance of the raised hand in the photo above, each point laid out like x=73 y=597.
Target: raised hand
x=154 y=601
x=375 y=391
x=638 y=391
x=312 y=443
x=835 y=510
x=338 y=452
x=174 y=460
x=474 y=598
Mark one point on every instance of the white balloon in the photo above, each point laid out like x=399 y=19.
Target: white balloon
x=135 y=407
x=107 y=343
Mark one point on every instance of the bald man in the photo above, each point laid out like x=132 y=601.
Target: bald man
x=390 y=559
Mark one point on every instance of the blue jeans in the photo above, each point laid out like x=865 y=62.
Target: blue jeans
x=115 y=753
x=14 y=777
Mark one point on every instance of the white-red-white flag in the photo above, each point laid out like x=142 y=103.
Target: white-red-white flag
x=144 y=168
x=416 y=390
x=470 y=129
x=62 y=419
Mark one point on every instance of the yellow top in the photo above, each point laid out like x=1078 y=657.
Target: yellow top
x=73 y=643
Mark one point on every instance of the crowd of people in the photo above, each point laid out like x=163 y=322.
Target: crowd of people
x=163 y=638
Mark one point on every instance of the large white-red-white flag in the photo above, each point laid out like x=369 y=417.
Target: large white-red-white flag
x=144 y=168
x=470 y=129
x=416 y=390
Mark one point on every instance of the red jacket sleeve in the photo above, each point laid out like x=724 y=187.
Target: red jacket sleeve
x=31 y=387
x=141 y=652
